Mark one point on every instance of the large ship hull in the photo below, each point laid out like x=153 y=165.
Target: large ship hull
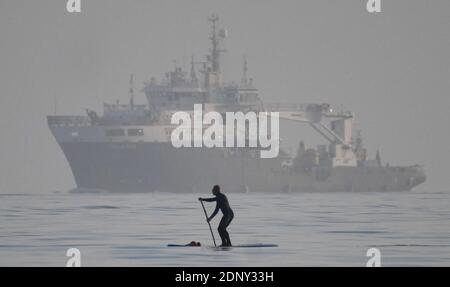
x=147 y=167
x=129 y=148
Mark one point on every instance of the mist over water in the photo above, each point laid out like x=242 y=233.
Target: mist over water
x=319 y=229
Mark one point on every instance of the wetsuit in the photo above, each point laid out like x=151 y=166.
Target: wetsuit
x=228 y=215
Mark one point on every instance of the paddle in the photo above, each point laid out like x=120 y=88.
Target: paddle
x=210 y=229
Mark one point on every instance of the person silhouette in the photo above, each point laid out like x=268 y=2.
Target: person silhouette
x=228 y=215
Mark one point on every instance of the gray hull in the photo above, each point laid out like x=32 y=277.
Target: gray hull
x=147 y=167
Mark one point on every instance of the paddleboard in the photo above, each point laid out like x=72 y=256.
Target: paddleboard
x=260 y=245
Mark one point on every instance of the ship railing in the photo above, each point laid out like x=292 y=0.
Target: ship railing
x=302 y=107
x=284 y=107
x=68 y=121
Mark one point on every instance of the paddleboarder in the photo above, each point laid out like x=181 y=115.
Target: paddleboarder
x=228 y=215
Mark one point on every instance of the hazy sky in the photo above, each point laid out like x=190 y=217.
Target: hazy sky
x=392 y=69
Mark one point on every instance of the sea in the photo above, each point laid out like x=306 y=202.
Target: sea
x=311 y=229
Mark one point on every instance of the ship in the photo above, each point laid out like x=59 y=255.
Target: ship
x=128 y=147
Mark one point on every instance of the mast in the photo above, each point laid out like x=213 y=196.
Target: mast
x=215 y=53
x=244 y=80
x=55 y=104
x=213 y=77
x=194 y=79
x=132 y=91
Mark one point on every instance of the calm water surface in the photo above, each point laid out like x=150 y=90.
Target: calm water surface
x=318 y=229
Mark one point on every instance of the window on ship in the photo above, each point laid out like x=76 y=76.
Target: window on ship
x=135 y=132
x=115 y=133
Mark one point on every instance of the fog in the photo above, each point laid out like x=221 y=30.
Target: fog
x=391 y=69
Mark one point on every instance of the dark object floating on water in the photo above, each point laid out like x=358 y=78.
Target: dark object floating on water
x=190 y=244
